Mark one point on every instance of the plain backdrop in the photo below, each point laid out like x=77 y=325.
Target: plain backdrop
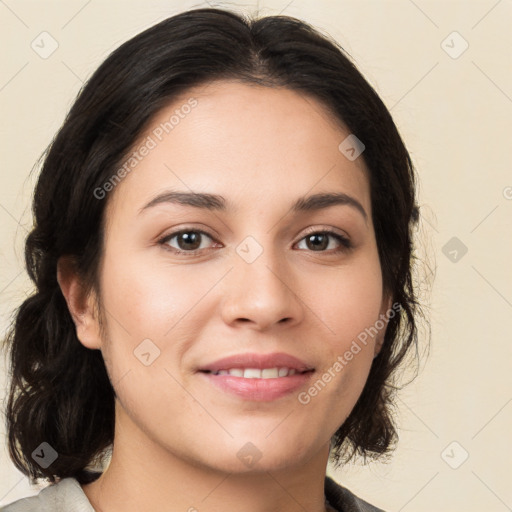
x=443 y=68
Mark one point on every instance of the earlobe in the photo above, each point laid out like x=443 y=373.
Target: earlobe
x=81 y=305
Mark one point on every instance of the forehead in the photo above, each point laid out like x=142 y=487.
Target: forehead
x=257 y=146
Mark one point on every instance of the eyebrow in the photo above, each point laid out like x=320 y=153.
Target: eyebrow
x=214 y=202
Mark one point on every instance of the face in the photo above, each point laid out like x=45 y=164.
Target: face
x=251 y=274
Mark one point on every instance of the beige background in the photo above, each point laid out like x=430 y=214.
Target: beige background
x=455 y=115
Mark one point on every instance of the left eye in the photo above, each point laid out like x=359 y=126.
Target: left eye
x=189 y=241
x=320 y=240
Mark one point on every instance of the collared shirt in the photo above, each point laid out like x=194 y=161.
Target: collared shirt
x=68 y=496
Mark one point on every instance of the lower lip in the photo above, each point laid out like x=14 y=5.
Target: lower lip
x=259 y=390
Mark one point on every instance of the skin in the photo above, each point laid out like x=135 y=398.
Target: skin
x=177 y=436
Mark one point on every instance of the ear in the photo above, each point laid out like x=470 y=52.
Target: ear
x=384 y=316
x=81 y=305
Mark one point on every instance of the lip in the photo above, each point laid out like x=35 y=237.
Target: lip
x=260 y=361
x=258 y=390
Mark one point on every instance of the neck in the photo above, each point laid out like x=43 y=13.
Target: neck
x=143 y=476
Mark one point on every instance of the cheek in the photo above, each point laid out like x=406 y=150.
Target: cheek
x=156 y=309
x=150 y=299
x=349 y=301
x=349 y=306
x=145 y=306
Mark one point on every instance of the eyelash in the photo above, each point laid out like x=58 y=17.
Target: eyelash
x=345 y=243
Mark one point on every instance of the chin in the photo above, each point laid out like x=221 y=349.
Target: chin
x=256 y=465
x=261 y=455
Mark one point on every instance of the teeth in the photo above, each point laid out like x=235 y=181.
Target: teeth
x=270 y=373
x=283 y=372
x=256 y=373
x=252 y=373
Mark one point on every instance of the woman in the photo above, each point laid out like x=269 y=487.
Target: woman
x=222 y=254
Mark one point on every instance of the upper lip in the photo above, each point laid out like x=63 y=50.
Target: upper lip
x=260 y=361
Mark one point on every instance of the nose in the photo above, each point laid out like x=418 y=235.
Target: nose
x=262 y=293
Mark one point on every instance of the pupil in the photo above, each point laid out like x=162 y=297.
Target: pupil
x=190 y=239
x=313 y=237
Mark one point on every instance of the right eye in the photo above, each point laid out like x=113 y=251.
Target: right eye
x=187 y=240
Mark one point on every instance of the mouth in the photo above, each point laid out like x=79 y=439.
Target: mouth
x=258 y=365
x=258 y=377
x=257 y=373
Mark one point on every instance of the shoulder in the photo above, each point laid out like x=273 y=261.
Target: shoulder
x=65 y=496
x=344 y=500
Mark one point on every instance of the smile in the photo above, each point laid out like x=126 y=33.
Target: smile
x=257 y=373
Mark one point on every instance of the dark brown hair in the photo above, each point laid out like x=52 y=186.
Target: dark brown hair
x=60 y=392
